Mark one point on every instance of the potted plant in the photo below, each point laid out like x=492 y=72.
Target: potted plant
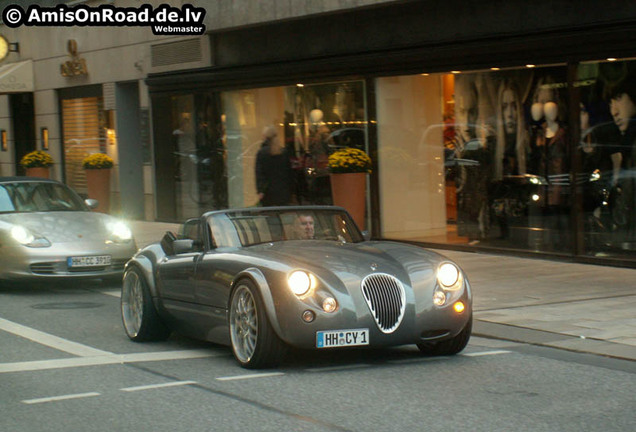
x=37 y=163
x=97 y=167
x=348 y=172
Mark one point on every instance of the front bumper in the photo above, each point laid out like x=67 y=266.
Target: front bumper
x=21 y=262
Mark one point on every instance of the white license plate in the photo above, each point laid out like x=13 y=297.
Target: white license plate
x=341 y=338
x=89 y=261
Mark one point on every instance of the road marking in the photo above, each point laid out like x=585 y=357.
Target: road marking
x=243 y=377
x=485 y=353
x=60 y=398
x=338 y=368
x=49 y=340
x=105 y=360
x=112 y=293
x=156 y=386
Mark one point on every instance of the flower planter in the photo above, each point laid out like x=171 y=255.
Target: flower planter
x=349 y=191
x=98 y=183
x=42 y=172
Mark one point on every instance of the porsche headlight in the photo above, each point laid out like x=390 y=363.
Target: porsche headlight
x=120 y=231
x=449 y=277
x=27 y=238
x=300 y=282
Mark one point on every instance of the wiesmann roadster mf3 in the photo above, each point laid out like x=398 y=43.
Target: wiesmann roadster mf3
x=264 y=279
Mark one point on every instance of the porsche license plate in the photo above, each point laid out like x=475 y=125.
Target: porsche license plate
x=89 y=261
x=341 y=338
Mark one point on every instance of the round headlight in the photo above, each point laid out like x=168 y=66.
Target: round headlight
x=121 y=231
x=447 y=275
x=299 y=282
x=21 y=235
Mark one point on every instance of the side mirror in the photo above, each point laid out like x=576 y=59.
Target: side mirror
x=366 y=235
x=167 y=242
x=91 y=203
x=183 y=246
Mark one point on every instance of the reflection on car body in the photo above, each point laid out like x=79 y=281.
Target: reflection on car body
x=264 y=279
x=48 y=231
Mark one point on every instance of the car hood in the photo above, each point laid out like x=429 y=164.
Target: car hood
x=63 y=226
x=351 y=259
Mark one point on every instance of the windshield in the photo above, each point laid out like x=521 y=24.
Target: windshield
x=38 y=197
x=250 y=227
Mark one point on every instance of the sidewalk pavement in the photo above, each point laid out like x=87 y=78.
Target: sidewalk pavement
x=571 y=306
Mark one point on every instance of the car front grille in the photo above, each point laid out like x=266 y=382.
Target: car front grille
x=43 y=268
x=386 y=300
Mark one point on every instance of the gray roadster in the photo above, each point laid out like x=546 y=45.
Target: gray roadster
x=264 y=279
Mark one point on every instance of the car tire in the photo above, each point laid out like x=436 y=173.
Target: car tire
x=139 y=316
x=254 y=342
x=450 y=346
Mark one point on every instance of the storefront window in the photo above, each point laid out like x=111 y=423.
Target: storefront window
x=198 y=152
x=84 y=125
x=308 y=121
x=476 y=158
x=608 y=157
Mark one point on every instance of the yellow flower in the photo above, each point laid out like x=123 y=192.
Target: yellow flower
x=97 y=161
x=349 y=160
x=36 y=159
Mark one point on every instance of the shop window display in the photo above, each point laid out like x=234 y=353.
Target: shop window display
x=608 y=157
x=504 y=144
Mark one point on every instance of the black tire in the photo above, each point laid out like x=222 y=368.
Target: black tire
x=450 y=346
x=254 y=342
x=140 y=319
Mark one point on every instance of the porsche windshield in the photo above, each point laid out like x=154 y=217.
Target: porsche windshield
x=250 y=227
x=38 y=197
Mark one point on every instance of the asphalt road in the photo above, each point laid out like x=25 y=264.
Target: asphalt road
x=66 y=365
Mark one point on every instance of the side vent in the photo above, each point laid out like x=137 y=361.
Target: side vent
x=173 y=53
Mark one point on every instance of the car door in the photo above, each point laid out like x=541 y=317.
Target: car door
x=176 y=271
x=216 y=268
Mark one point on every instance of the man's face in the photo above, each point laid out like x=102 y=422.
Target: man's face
x=623 y=109
x=306 y=226
x=509 y=109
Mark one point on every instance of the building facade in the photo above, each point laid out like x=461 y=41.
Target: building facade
x=503 y=126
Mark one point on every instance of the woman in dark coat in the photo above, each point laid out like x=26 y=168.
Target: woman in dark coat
x=274 y=175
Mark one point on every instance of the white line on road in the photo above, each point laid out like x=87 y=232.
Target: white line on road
x=105 y=360
x=486 y=353
x=156 y=386
x=337 y=368
x=243 y=377
x=59 y=398
x=50 y=340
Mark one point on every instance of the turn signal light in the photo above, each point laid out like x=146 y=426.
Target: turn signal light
x=459 y=307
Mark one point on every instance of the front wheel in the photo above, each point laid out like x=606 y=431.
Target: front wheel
x=254 y=342
x=450 y=346
x=141 y=321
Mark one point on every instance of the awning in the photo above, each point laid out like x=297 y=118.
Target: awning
x=16 y=77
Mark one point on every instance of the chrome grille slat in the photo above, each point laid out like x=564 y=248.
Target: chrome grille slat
x=385 y=297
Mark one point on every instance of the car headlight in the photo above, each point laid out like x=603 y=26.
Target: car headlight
x=27 y=238
x=120 y=231
x=300 y=282
x=449 y=276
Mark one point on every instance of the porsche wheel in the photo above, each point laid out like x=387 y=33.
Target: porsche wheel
x=448 y=347
x=139 y=316
x=254 y=342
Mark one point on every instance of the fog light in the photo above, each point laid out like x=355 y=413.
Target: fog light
x=308 y=316
x=329 y=304
x=459 y=307
x=439 y=298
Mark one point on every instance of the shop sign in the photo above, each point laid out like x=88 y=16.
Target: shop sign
x=77 y=65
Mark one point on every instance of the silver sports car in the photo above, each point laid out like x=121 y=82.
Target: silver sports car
x=264 y=279
x=47 y=231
